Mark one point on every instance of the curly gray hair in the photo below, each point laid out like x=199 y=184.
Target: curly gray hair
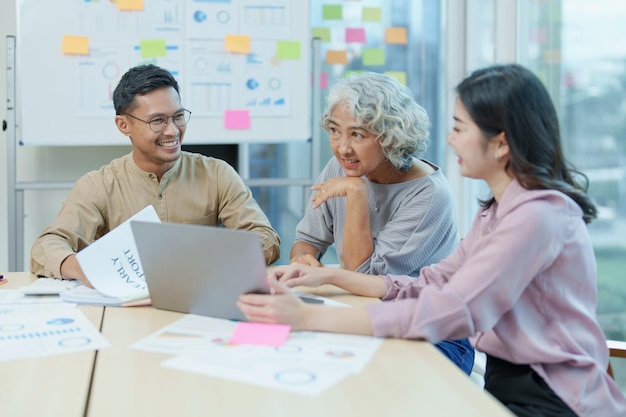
x=383 y=106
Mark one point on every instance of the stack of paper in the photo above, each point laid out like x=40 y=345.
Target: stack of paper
x=308 y=363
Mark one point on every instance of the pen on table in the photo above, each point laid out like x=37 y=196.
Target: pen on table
x=312 y=300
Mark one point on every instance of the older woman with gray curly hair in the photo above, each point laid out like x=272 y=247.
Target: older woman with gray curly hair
x=386 y=210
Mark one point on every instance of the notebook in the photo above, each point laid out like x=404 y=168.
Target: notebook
x=199 y=269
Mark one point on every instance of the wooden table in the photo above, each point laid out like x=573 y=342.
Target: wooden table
x=50 y=386
x=403 y=378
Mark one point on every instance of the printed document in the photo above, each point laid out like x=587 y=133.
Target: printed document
x=112 y=265
x=308 y=363
x=35 y=330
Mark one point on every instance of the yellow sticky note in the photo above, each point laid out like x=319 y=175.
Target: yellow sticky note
x=288 y=50
x=336 y=57
x=373 y=56
x=400 y=76
x=371 y=14
x=239 y=44
x=552 y=56
x=152 y=48
x=129 y=4
x=396 y=35
x=322 y=33
x=75 y=45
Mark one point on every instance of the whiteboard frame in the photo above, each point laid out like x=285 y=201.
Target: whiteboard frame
x=48 y=96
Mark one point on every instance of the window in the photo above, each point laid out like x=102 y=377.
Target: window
x=574 y=47
x=417 y=63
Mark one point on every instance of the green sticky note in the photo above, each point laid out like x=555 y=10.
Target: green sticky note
x=371 y=14
x=322 y=33
x=288 y=50
x=349 y=73
x=373 y=56
x=332 y=12
x=400 y=76
x=152 y=48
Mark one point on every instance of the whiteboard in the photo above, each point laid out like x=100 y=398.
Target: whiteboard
x=260 y=94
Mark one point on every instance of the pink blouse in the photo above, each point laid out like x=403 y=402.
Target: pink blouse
x=522 y=284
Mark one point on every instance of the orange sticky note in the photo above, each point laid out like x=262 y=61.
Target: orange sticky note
x=129 y=4
x=239 y=44
x=396 y=35
x=75 y=45
x=336 y=57
x=260 y=334
x=237 y=119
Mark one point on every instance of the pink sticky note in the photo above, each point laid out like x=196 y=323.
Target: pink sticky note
x=237 y=119
x=323 y=80
x=355 y=35
x=260 y=334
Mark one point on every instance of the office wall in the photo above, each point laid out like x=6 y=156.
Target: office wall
x=39 y=163
x=7 y=27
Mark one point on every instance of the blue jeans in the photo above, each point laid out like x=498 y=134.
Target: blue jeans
x=461 y=352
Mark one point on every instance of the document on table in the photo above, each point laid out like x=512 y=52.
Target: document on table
x=112 y=264
x=308 y=363
x=18 y=297
x=35 y=330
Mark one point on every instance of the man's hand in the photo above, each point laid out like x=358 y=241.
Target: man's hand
x=70 y=268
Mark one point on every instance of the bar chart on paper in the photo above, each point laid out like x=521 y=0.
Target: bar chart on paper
x=32 y=330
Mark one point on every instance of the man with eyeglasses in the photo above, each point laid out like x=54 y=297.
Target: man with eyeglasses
x=183 y=187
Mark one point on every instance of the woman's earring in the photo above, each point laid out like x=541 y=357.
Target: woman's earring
x=497 y=157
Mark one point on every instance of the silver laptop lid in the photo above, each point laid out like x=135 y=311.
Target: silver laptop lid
x=199 y=269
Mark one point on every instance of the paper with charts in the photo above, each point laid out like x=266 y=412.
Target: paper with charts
x=309 y=363
x=34 y=330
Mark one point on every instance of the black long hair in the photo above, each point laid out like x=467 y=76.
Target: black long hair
x=509 y=98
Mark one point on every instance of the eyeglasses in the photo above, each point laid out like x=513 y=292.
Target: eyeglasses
x=158 y=124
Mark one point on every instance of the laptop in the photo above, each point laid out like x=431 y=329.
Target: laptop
x=199 y=269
